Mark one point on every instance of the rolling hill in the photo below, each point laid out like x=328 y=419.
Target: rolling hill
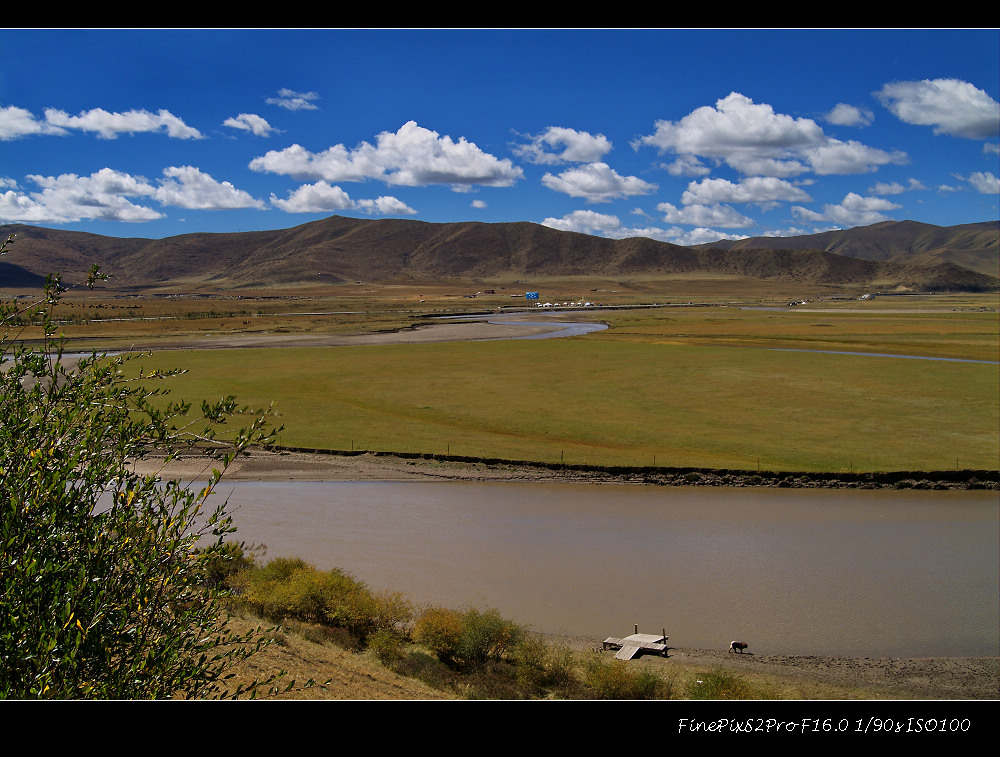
x=973 y=245
x=338 y=249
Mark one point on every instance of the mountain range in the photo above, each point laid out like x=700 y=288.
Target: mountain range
x=903 y=254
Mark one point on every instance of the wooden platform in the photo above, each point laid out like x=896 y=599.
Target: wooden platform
x=638 y=643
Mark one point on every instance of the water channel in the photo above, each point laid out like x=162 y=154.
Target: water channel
x=792 y=571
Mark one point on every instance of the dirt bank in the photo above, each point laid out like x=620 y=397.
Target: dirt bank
x=795 y=677
x=294 y=464
x=823 y=677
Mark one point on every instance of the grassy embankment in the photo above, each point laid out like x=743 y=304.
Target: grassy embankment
x=363 y=644
x=674 y=387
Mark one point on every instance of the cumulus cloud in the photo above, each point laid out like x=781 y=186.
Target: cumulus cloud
x=69 y=198
x=563 y=145
x=611 y=227
x=763 y=191
x=412 y=156
x=853 y=210
x=754 y=140
x=16 y=123
x=321 y=197
x=292 y=100
x=189 y=187
x=850 y=115
x=984 y=182
x=252 y=123
x=109 y=195
x=110 y=125
x=894 y=187
x=951 y=106
x=836 y=157
x=688 y=165
x=596 y=182
x=385 y=206
x=704 y=215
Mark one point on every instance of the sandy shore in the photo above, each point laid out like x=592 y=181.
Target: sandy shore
x=262 y=465
x=806 y=676
x=826 y=677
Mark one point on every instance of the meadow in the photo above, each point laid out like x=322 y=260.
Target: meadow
x=720 y=386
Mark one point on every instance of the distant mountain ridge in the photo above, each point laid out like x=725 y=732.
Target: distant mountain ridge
x=339 y=249
x=973 y=245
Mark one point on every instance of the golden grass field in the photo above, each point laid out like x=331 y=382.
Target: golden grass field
x=715 y=386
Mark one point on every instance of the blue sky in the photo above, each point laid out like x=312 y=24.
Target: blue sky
x=683 y=135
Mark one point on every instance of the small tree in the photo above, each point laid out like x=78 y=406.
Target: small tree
x=102 y=569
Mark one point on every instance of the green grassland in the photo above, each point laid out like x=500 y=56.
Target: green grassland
x=671 y=387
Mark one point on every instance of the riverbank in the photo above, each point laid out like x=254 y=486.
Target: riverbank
x=826 y=677
x=791 y=676
x=802 y=678
x=295 y=464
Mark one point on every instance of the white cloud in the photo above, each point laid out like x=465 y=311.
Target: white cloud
x=688 y=165
x=333 y=164
x=611 y=227
x=17 y=122
x=984 y=182
x=413 y=156
x=16 y=207
x=585 y=221
x=577 y=147
x=836 y=157
x=951 y=106
x=70 y=198
x=754 y=140
x=764 y=191
x=110 y=125
x=292 y=100
x=850 y=115
x=106 y=196
x=894 y=187
x=704 y=215
x=596 y=182
x=385 y=206
x=321 y=197
x=854 y=210
x=700 y=236
x=252 y=123
x=478 y=204
x=189 y=187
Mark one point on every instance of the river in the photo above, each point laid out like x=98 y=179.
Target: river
x=835 y=572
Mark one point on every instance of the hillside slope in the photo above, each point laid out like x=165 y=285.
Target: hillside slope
x=338 y=249
x=975 y=245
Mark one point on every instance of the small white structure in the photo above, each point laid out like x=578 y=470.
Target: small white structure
x=638 y=643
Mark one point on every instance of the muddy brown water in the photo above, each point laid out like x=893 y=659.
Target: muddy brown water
x=790 y=571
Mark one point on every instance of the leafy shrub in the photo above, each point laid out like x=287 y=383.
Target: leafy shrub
x=222 y=562
x=493 y=679
x=291 y=589
x=541 y=667
x=426 y=668
x=106 y=588
x=386 y=646
x=440 y=630
x=615 y=679
x=487 y=636
x=721 y=684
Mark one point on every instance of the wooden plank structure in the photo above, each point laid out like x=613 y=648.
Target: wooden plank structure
x=637 y=644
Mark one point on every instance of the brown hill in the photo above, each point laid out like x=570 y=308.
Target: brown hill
x=339 y=249
x=974 y=245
